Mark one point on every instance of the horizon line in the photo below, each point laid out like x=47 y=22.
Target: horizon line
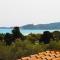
x=30 y=23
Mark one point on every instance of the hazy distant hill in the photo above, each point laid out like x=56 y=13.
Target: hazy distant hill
x=42 y=26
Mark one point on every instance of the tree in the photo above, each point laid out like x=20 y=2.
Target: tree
x=46 y=37
x=1 y=36
x=56 y=35
x=16 y=33
x=8 y=38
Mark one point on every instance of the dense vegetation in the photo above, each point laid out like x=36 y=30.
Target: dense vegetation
x=15 y=45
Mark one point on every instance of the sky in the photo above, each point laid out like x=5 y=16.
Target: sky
x=22 y=12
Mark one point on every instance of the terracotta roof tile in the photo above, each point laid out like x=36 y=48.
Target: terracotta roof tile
x=48 y=55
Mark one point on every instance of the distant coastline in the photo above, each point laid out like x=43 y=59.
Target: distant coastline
x=50 y=26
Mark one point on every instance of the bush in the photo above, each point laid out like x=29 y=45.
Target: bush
x=33 y=37
x=22 y=48
x=54 y=45
x=26 y=48
x=7 y=52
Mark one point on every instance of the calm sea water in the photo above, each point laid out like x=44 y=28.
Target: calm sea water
x=26 y=32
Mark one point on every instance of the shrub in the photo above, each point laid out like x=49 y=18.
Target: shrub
x=54 y=45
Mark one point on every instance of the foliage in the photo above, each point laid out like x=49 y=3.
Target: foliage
x=12 y=48
x=46 y=37
x=25 y=48
x=33 y=37
x=16 y=33
x=56 y=35
x=8 y=39
x=54 y=45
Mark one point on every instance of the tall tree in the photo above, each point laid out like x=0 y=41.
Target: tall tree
x=46 y=37
x=16 y=33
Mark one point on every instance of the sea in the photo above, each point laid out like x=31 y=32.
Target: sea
x=26 y=31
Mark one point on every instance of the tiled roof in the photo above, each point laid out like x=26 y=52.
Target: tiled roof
x=48 y=55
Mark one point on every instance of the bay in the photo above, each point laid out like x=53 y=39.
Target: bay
x=26 y=32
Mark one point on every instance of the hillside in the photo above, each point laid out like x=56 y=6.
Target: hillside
x=42 y=26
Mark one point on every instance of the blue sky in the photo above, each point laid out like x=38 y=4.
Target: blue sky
x=21 y=12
